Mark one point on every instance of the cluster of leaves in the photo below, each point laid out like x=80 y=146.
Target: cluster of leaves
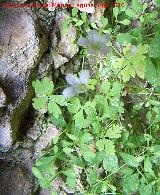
x=89 y=140
x=82 y=23
x=108 y=144
x=89 y=145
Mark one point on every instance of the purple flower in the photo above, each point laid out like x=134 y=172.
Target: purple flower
x=77 y=85
x=95 y=43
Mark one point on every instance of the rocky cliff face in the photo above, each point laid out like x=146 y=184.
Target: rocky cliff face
x=21 y=50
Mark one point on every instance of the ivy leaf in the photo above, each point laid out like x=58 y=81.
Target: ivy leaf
x=65 y=23
x=90 y=109
x=116 y=89
x=74 y=12
x=105 y=86
x=55 y=149
x=131 y=183
x=139 y=63
x=115 y=101
x=72 y=137
x=129 y=159
x=128 y=72
x=151 y=73
x=45 y=164
x=135 y=63
x=69 y=173
x=66 y=143
x=110 y=112
x=84 y=16
x=145 y=5
x=71 y=178
x=96 y=127
x=101 y=144
x=130 y=12
x=54 y=109
x=116 y=11
x=148 y=166
x=110 y=163
x=79 y=23
x=104 y=21
x=156 y=3
x=92 y=176
x=44 y=87
x=106 y=145
x=156 y=150
x=154 y=48
x=74 y=20
x=124 y=38
x=145 y=189
x=93 y=25
x=137 y=6
x=67 y=150
x=92 y=83
x=150 y=17
x=36 y=172
x=74 y=105
x=80 y=121
x=40 y=103
x=125 y=22
x=59 y=122
x=88 y=155
x=114 y=132
x=126 y=171
x=100 y=155
x=59 y=99
x=86 y=138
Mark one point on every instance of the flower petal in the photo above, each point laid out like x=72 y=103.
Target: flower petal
x=72 y=80
x=82 y=42
x=93 y=36
x=93 y=52
x=105 y=38
x=69 y=92
x=105 y=49
x=84 y=76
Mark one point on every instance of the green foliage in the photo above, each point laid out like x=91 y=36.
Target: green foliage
x=110 y=163
x=130 y=183
x=130 y=160
x=114 y=132
x=109 y=139
x=45 y=87
x=133 y=63
x=124 y=38
x=44 y=97
x=154 y=48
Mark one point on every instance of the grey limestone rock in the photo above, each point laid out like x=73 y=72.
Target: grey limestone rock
x=20 y=51
x=45 y=140
x=14 y=182
x=63 y=47
x=2 y=98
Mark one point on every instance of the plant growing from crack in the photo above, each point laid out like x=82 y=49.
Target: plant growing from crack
x=107 y=144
